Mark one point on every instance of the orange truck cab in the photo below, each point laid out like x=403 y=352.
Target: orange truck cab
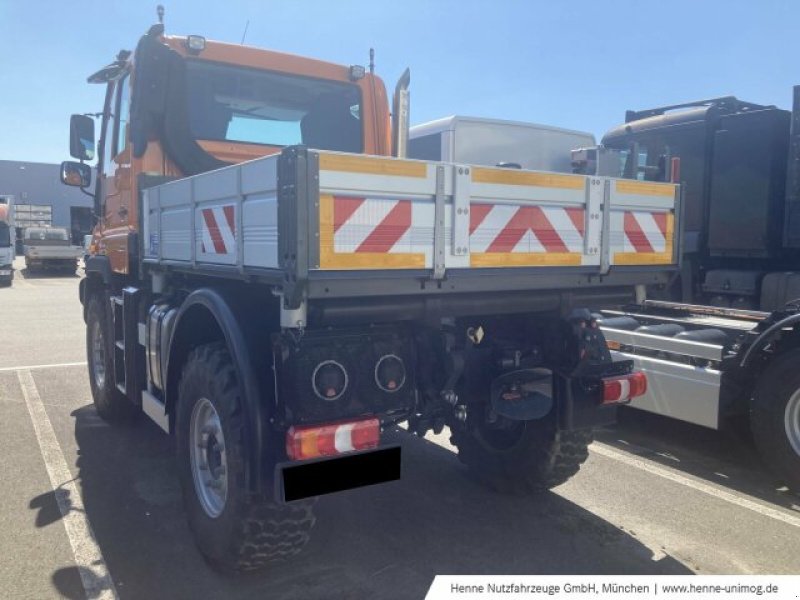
x=179 y=106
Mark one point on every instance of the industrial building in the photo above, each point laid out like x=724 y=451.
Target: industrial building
x=37 y=186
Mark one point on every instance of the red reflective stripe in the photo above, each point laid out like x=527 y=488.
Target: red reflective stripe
x=512 y=233
x=229 y=213
x=635 y=234
x=391 y=229
x=661 y=221
x=343 y=209
x=477 y=214
x=529 y=218
x=578 y=217
x=213 y=231
x=545 y=231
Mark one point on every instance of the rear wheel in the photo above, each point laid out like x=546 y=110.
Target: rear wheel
x=235 y=529
x=521 y=457
x=110 y=403
x=775 y=417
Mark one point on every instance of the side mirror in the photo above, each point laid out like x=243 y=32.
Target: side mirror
x=76 y=174
x=81 y=137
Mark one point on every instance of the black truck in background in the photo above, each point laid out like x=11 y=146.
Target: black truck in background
x=740 y=174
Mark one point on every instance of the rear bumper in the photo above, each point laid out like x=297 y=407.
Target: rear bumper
x=317 y=477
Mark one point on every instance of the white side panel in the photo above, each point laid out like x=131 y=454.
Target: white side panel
x=176 y=226
x=260 y=224
x=679 y=391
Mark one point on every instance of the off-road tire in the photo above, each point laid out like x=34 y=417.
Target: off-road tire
x=109 y=402
x=541 y=458
x=779 y=382
x=252 y=530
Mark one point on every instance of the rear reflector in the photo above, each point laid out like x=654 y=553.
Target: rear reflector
x=329 y=440
x=624 y=389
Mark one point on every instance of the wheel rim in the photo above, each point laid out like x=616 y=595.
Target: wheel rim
x=98 y=357
x=792 y=421
x=208 y=458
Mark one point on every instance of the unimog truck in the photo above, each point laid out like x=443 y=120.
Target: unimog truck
x=276 y=286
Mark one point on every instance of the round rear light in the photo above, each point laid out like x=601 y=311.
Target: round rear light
x=329 y=380
x=390 y=373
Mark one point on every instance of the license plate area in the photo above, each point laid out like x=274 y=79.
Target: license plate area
x=296 y=481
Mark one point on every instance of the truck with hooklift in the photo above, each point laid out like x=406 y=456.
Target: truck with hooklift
x=276 y=286
x=740 y=176
x=721 y=343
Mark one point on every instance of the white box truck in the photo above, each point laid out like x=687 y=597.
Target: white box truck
x=495 y=142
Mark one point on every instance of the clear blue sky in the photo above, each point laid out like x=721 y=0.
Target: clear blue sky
x=576 y=64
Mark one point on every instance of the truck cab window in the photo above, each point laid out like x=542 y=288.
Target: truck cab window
x=237 y=104
x=122 y=114
x=107 y=133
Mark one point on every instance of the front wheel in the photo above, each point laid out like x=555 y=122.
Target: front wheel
x=521 y=457
x=235 y=529
x=775 y=417
x=110 y=403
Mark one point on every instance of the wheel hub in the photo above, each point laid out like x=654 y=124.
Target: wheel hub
x=208 y=458
x=792 y=421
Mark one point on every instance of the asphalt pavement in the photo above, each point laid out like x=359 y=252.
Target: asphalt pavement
x=655 y=497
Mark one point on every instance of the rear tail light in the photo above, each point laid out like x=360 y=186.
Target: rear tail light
x=328 y=440
x=624 y=389
x=390 y=373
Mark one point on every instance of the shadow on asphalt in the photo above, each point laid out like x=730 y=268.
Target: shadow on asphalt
x=383 y=542
x=727 y=457
x=49 y=274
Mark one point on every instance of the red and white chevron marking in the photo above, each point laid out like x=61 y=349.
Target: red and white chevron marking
x=515 y=229
x=645 y=232
x=218 y=230
x=376 y=225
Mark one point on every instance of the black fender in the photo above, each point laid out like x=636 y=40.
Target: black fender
x=100 y=265
x=241 y=344
x=98 y=277
x=766 y=336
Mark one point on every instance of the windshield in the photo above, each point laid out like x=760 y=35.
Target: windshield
x=257 y=107
x=5 y=235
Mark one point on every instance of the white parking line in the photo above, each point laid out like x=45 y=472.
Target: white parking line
x=53 y=366
x=94 y=573
x=656 y=469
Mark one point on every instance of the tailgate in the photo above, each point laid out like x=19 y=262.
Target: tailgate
x=52 y=252
x=383 y=213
